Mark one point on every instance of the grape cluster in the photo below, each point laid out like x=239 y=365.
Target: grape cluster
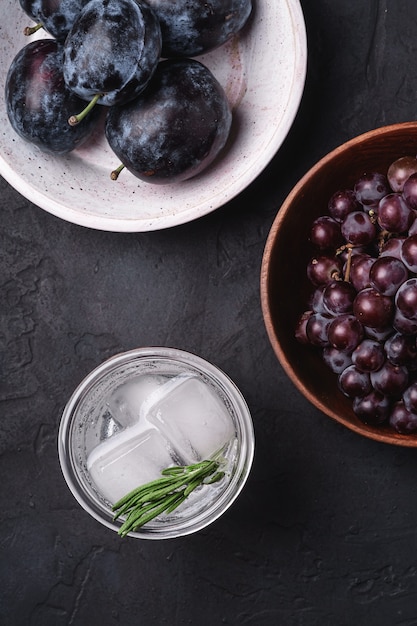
x=362 y=312
x=106 y=57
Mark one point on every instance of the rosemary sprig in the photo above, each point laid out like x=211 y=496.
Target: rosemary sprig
x=165 y=494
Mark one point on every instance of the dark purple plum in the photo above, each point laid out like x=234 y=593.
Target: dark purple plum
x=175 y=128
x=38 y=101
x=31 y=8
x=112 y=50
x=55 y=16
x=193 y=27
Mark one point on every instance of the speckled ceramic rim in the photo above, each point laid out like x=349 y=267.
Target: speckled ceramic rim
x=243 y=423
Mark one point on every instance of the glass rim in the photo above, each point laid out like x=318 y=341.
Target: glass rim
x=243 y=424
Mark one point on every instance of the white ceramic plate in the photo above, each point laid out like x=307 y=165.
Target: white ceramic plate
x=263 y=73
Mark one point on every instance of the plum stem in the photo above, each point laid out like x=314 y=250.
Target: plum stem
x=31 y=30
x=76 y=119
x=115 y=173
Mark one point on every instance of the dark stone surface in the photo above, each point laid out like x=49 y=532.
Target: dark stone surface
x=325 y=531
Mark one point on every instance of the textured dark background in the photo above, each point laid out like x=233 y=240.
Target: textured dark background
x=325 y=531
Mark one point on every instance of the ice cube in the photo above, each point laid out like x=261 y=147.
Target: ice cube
x=128 y=459
x=126 y=400
x=191 y=416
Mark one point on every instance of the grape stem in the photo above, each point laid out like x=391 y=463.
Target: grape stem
x=349 y=247
x=348 y=263
x=384 y=235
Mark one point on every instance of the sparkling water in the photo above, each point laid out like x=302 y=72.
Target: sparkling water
x=153 y=422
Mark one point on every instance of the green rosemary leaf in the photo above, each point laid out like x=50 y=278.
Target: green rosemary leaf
x=140 y=490
x=215 y=478
x=145 y=516
x=192 y=485
x=179 y=500
x=173 y=471
x=164 y=494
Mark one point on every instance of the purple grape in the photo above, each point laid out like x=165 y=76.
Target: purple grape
x=410 y=397
x=390 y=379
x=338 y=297
x=378 y=334
x=360 y=271
x=400 y=170
x=402 y=420
x=323 y=269
x=171 y=150
x=316 y=301
x=342 y=203
x=387 y=274
x=317 y=328
x=403 y=324
x=394 y=215
x=370 y=188
x=336 y=360
x=413 y=227
x=392 y=247
x=368 y=356
x=365 y=295
x=372 y=409
x=191 y=27
x=410 y=191
x=354 y=383
x=358 y=228
x=373 y=309
x=401 y=350
x=112 y=50
x=325 y=233
x=409 y=253
x=406 y=299
x=38 y=102
x=345 y=332
x=301 y=327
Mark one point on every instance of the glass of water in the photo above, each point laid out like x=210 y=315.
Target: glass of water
x=146 y=410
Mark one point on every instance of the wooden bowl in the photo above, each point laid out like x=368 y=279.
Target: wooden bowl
x=285 y=288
